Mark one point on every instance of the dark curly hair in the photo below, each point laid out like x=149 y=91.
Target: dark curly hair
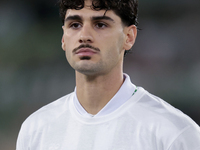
x=127 y=10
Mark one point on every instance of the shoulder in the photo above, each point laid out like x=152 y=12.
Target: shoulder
x=163 y=120
x=156 y=109
x=47 y=113
x=40 y=119
x=154 y=113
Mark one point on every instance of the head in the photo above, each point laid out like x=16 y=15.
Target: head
x=127 y=10
x=102 y=30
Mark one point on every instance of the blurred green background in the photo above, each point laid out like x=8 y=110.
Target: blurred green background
x=34 y=71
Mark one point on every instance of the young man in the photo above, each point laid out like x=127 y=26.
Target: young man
x=106 y=111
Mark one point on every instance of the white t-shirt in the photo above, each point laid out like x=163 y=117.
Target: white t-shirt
x=143 y=122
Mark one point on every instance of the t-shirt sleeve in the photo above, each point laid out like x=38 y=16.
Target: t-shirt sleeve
x=188 y=139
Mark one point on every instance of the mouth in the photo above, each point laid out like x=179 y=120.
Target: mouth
x=85 y=52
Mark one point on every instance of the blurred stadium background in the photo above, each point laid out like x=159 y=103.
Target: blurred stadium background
x=33 y=70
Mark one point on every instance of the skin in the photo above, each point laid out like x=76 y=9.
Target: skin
x=99 y=68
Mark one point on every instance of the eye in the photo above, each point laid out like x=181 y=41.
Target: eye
x=101 y=25
x=75 y=25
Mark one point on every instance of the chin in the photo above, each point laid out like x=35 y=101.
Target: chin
x=87 y=72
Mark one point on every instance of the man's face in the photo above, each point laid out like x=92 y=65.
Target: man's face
x=93 y=42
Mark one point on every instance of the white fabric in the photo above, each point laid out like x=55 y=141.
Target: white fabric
x=144 y=122
x=124 y=94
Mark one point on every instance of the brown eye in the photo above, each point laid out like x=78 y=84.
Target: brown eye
x=101 y=25
x=75 y=25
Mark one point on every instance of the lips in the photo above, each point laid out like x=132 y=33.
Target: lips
x=85 y=52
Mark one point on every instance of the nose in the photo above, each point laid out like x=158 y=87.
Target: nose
x=86 y=34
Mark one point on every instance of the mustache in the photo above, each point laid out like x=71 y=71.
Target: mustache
x=85 y=46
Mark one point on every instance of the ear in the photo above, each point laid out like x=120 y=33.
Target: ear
x=130 y=36
x=62 y=40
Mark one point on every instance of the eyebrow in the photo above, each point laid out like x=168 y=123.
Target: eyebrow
x=75 y=17
x=94 y=18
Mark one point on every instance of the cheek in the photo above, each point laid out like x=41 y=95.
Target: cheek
x=116 y=46
x=68 y=56
x=68 y=43
x=112 y=53
x=67 y=47
x=116 y=39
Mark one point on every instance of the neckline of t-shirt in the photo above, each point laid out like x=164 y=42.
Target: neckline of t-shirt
x=101 y=119
x=124 y=93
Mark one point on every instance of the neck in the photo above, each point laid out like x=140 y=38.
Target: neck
x=94 y=92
